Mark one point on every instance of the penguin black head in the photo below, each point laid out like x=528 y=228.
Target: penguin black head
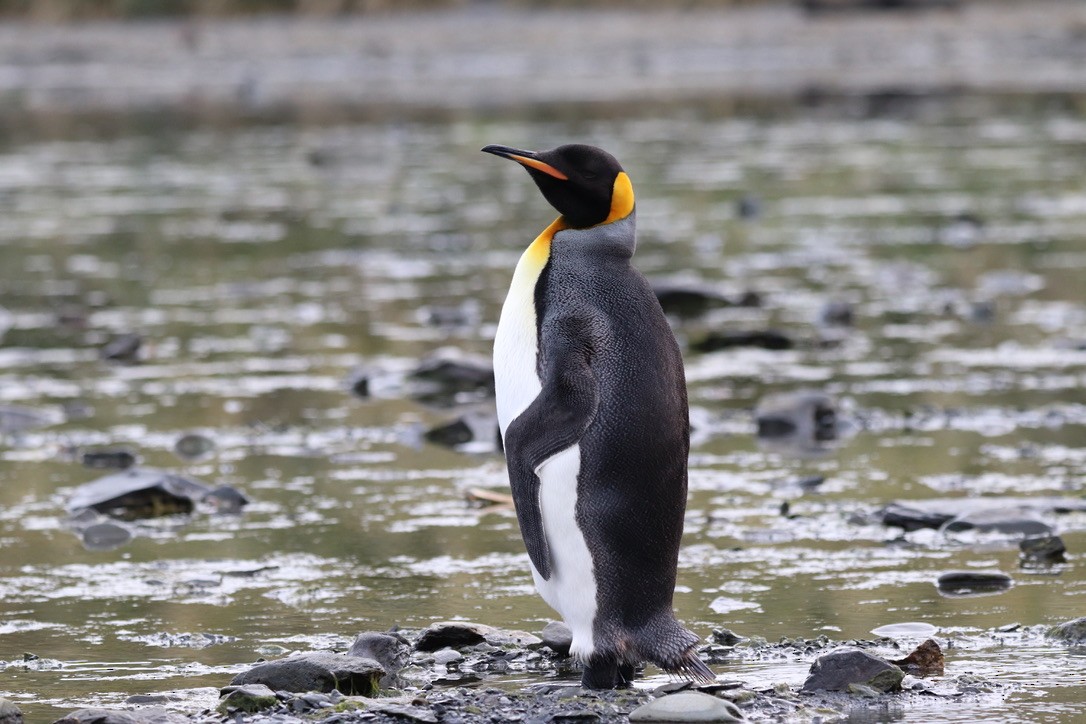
x=584 y=183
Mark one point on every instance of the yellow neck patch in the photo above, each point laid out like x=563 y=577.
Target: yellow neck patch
x=622 y=199
x=539 y=250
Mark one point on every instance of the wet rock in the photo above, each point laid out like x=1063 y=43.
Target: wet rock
x=248 y=698
x=458 y=634
x=469 y=427
x=748 y=207
x=934 y=513
x=444 y=657
x=963 y=583
x=108 y=459
x=105 y=536
x=1070 y=632
x=689 y=300
x=10 y=713
x=803 y=421
x=863 y=691
x=139 y=493
x=466 y=314
x=836 y=313
x=123 y=348
x=1042 y=550
x=764 y=339
x=226 y=500
x=910 y=518
x=450 y=371
x=558 y=637
x=835 y=671
x=359 y=383
x=388 y=650
x=926 y=660
x=726 y=637
x=193 y=446
x=16 y=418
x=320 y=671
x=400 y=711
x=1009 y=521
x=153 y=715
x=687 y=706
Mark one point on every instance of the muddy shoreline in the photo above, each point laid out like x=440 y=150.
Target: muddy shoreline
x=487 y=61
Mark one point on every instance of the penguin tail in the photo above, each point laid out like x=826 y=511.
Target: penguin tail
x=674 y=649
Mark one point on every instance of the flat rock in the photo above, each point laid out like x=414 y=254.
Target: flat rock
x=319 y=671
x=836 y=670
x=558 y=637
x=458 y=634
x=388 y=650
x=935 y=512
x=961 y=583
x=765 y=339
x=248 y=698
x=105 y=536
x=1010 y=521
x=139 y=493
x=687 y=706
x=152 y=715
x=689 y=300
x=1070 y=632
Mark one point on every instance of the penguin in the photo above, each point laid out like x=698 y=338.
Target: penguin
x=592 y=410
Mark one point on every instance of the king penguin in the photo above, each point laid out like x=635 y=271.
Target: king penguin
x=592 y=410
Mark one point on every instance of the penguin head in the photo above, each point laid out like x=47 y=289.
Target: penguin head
x=584 y=183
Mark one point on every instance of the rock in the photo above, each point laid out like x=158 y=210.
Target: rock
x=836 y=670
x=108 y=459
x=558 y=637
x=16 y=418
x=388 y=650
x=836 y=313
x=449 y=371
x=864 y=691
x=1010 y=521
x=320 y=671
x=748 y=207
x=359 y=383
x=765 y=339
x=964 y=583
x=400 y=711
x=124 y=348
x=458 y=634
x=248 y=698
x=926 y=660
x=153 y=715
x=687 y=706
x=1069 y=632
x=1042 y=550
x=193 y=446
x=105 y=536
x=469 y=427
x=900 y=515
x=803 y=421
x=444 y=657
x=726 y=637
x=10 y=713
x=688 y=300
x=139 y=493
x=225 y=499
x=935 y=512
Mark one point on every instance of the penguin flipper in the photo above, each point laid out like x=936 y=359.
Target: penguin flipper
x=555 y=420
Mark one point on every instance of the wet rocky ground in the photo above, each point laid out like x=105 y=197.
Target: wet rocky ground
x=246 y=406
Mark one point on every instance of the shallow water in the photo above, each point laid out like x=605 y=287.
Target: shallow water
x=264 y=266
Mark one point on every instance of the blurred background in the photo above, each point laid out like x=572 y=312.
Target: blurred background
x=254 y=246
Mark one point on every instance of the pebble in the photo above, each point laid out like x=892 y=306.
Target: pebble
x=443 y=657
x=558 y=636
x=193 y=447
x=687 y=706
x=1044 y=549
x=124 y=348
x=248 y=698
x=105 y=536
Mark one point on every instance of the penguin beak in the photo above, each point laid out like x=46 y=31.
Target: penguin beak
x=528 y=159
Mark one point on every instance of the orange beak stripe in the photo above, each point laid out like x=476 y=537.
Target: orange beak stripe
x=539 y=166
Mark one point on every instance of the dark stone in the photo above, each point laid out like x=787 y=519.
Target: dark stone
x=836 y=670
x=193 y=446
x=139 y=493
x=899 y=515
x=687 y=301
x=124 y=348
x=226 y=499
x=1042 y=550
x=961 y=583
x=469 y=427
x=726 y=637
x=836 y=313
x=320 y=671
x=389 y=650
x=118 y=459
x=558 y=637
x=803 y=421
x=748 y=207
x=248 y=698
x=459 y=634
x=454 y=371
x=359 y=384
x=765 y=339
x=1070 y=632
x=926 y=660
x=105 y=536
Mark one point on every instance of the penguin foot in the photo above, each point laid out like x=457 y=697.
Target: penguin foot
x=607 y=674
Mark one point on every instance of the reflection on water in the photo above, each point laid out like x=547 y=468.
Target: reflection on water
x=266 y=269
